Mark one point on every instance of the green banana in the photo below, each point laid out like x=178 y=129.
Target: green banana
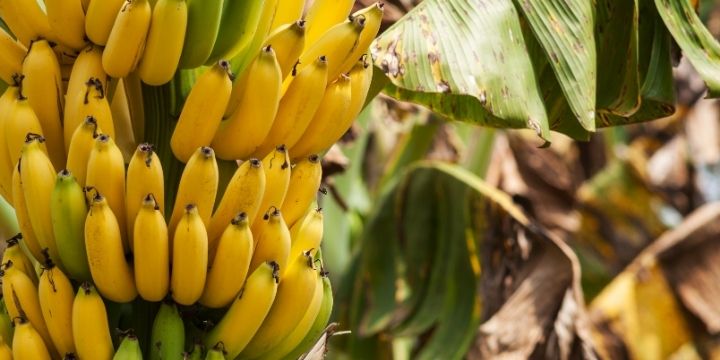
x=195 y=354
x=168 y=334
x=320 y=323
x=244 y=58
x=6 y=326
x=68 y=211
x=216 y=353
x=129 y=349
x=202 y=30
x=238 y=25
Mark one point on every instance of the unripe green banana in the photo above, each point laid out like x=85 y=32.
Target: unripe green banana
x=195 y=354
x=202 y=30
x=238 y=25
x=6 y=326
x=168 y=334
x=215 y=353
x=129 y=349
x=68 y=211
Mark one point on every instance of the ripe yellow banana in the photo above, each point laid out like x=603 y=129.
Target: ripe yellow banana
x=81 y=144
x=43 y=88
x=360 y=78
x=229 y=269
x=321 y=132
x=152 y=251
x=202 y=112
x=247 y=312
x=67 y=21
x=15 y=23
x=198 y=186
x=240 y=135
x=23 y=218
x=307 y=232
x=27 y=342
x=14 y=253
x=56 y=296
x=297 y=106
x=324 y=14
x=7 y=162
x=305 y=178
x=287 y=12
x=276 y=166
x=242 y=194
x=95 y=103
x=106 y=173
x=111 y=274
x=68 y=211
x=190 y=260
x=272 y=241
x=338 y=44
x=164 y=42
x=144 y=176
x=38 y=181
x=87 y=65
x=11 y=57
x=26 y=20
x=100 y=18
x=321 y=320
x=90 y=324
x=125 y=44
x=294 y=296
x=288 y=41
x=20 y=122
x=373 y=15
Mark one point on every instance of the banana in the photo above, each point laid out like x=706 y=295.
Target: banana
x=7 y=328
x=303 y=327
x=321 y=132
x=120 y=110
x=7 y=101
x=129 y=349
x=95 y=103
x=320 y=322
x=88 y=65
x=308 y=232
x=276 y=166
x=168 y=334
x=242 y=194
x=373 y=15
x=5 y=350
x=100 y=18
x=244 y=57
x=198 y=186
x=360 y=78
x=21 y=121
x=202 y=112
x=15 y=23
x=190 y=258
x=26 y=19
x=67 y=21
x=125 y=44
x=338 y=44
x=106 y=173
x=27 y=342
x=144 y=176
x=287 y=12
x=238 y=25
x=323 y=15
x=305 y=178
x=38 y=180
x=288 y=41
x=195 y=353
x=23 y=218
x=43 y=88
x=297 y=106
x=247 y=312
x=110 y=272
x=164 y=42
x=14 y=253
x=294 y=296
x=90 y=324
x=11 y=57
x=229 y=269
x=56 y=295
x=216 y=353
x=203 y=24
x=240 y=135
x=272 y=242
x=68 y=211
x=81 y=144
x=151 y=255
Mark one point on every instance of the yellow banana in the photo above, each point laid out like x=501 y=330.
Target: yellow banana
x=20 y=122
x=307 y=232
x=198 y=186
x=23 y=218
x=125 y=44
x=287 y=12
x=14 y=253
x=56 y=296
x=240 y=135
x=228 y=270
x=152 y=254
x=190 y=260
x=164 y=42
x=305 y=178
x=95 y=103
x=242 y=194
x=110 y=272
x=88 y=65
x=15 y=23
x=338 y=44
x=27 y=342
x=38 y=181
x=288 y=41
x=373 y=15
x=90 y=324
x=68 y=211
x=26 y=20
x=100 y=18
x=11 y=57
x=324 y=14
x=67 y=21
x=144 y=176
x=7 y=162
x=294 y=296
x=322 y=131
x=247 y=312
x=276 y=166
x=202 y=112
x=272 y=242
x=360 y=78
x=81 y=144
x=5 y=350
x=43 y=88
x=297 y=106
